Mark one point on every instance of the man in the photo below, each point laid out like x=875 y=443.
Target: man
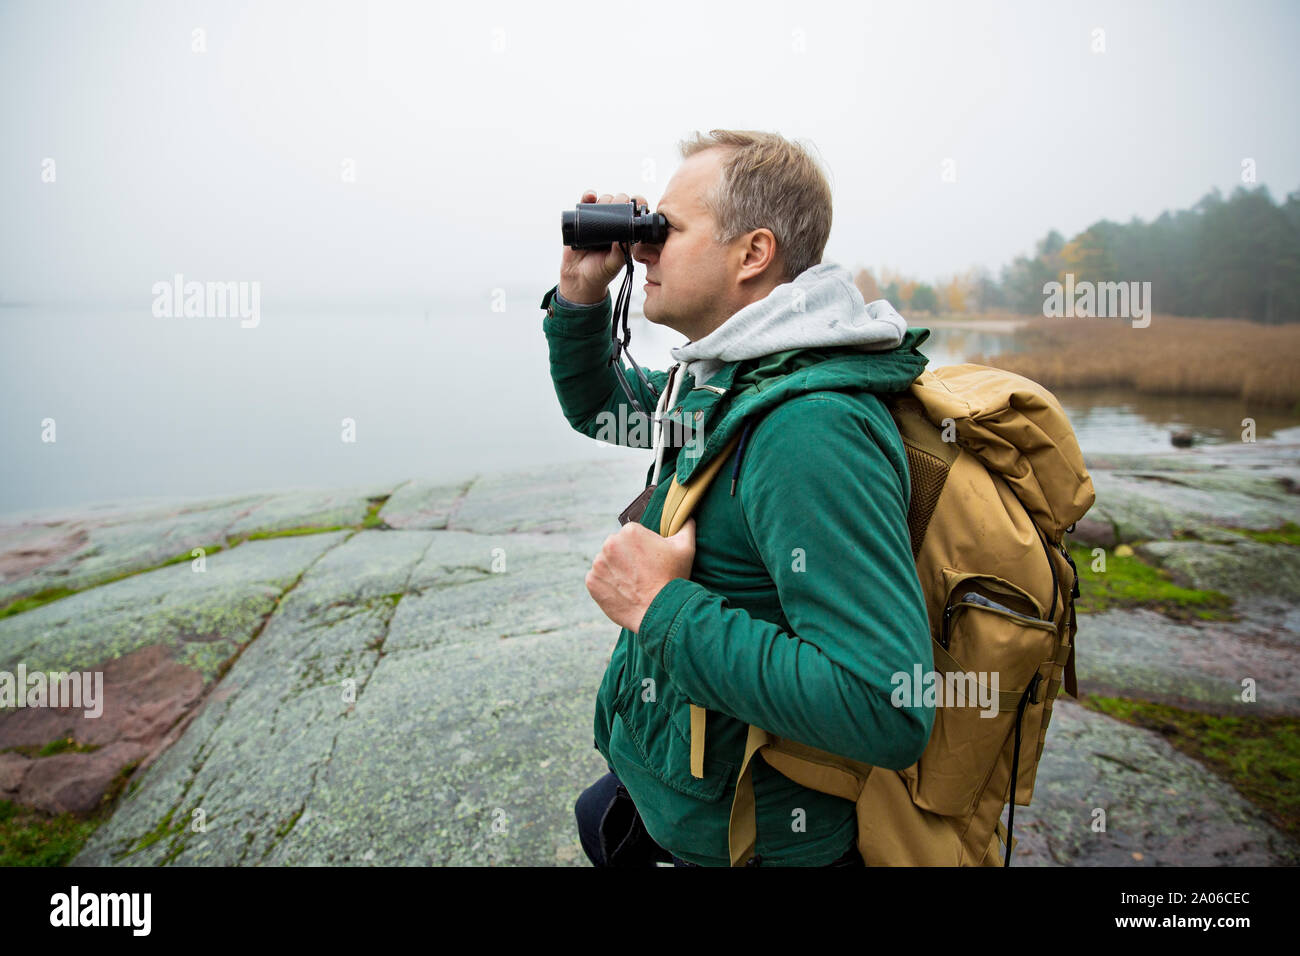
x=794 y=598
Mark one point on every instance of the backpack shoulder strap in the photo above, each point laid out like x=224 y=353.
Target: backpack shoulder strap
x=678 y=505
x=682 y=499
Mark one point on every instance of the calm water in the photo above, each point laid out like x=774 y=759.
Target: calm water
x=146 y=407
x=1115 y=420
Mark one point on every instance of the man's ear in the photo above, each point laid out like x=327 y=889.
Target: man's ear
x=760 y=255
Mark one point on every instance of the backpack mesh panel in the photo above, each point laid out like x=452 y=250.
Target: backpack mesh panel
x=928 y=474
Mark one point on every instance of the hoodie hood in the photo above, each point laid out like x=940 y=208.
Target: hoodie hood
x=814 y=334
x=821 y=308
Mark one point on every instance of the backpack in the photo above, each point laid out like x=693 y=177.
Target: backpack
x=989 y=509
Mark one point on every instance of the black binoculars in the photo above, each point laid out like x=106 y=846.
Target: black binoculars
x=595 y=225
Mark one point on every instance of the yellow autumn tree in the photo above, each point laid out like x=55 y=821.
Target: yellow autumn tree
x=953 y=294
x=1087 y=258
x=866 y=284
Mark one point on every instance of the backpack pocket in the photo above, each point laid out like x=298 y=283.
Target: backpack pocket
x=994 y=644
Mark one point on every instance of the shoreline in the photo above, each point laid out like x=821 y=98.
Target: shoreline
x=54 y=515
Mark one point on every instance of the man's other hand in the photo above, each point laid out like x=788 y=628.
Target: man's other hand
x=633 y=566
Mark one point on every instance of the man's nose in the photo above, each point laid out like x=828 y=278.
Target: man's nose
x=645 y=252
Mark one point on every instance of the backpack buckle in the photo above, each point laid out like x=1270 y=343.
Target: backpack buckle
x=1034 y=696
x=1074 y=590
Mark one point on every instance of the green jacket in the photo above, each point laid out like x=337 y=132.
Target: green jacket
x=803 y=600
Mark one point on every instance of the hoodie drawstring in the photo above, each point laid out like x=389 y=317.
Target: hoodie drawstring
x=740 y=453
x=666 y=401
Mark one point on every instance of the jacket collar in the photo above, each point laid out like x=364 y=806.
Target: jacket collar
x=755 y=386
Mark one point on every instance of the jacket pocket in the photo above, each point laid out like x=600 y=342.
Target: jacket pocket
x=998 y=631
x=659 y=731
x=607 y=694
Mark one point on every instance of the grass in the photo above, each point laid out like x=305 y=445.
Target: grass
x=34 y=601
x=372 y=519
x=1173 y=355
x=30 y=837
x=1130 y=582
x=1289 y=533
x=164 y=828
x=289 y=532
x=62 y=746
x=283 y=830
x=1259 y=756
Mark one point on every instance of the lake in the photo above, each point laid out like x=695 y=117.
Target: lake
x=146 y=407
x=1123 y=420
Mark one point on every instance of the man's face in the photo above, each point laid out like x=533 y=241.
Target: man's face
x=690 y=286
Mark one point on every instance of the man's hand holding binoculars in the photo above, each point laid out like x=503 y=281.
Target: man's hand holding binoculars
x=585 y=274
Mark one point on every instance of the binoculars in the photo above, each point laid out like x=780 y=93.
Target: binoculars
x=595 y=225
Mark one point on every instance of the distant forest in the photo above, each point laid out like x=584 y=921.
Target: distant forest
x=1235 y=258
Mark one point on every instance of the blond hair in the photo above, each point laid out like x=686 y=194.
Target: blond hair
x=768 y=182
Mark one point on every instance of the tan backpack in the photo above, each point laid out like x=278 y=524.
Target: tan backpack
x=989 y=509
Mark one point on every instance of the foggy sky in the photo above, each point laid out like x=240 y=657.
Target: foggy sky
x=471 y=126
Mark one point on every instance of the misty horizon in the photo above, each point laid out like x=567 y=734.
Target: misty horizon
x=390 y=154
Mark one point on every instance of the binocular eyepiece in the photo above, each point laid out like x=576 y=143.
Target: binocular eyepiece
x=595 y=225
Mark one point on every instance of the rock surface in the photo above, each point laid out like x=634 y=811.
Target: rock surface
x=1157 y=807
x=421 y=692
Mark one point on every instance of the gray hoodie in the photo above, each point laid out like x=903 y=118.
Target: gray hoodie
x=820 y=308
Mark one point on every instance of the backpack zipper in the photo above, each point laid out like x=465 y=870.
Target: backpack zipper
x=1027 y=619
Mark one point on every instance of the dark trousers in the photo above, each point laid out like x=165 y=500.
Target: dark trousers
x=612 y=833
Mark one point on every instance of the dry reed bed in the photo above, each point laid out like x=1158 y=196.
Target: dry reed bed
x=1173 y=355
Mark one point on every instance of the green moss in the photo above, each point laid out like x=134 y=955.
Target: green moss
x=180 y=833
x=49 y=595
x=65 y=745
x=1259 y=756
x=62 y=746
x=31 y=838
x=163 y=829
x=117 y=786
x=291 y=532
x=208 y=551
x=1289 y=533
x=372 y=519
x=41 y=598
x=34 y=601
x=1128 y=581
x=283 y=830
